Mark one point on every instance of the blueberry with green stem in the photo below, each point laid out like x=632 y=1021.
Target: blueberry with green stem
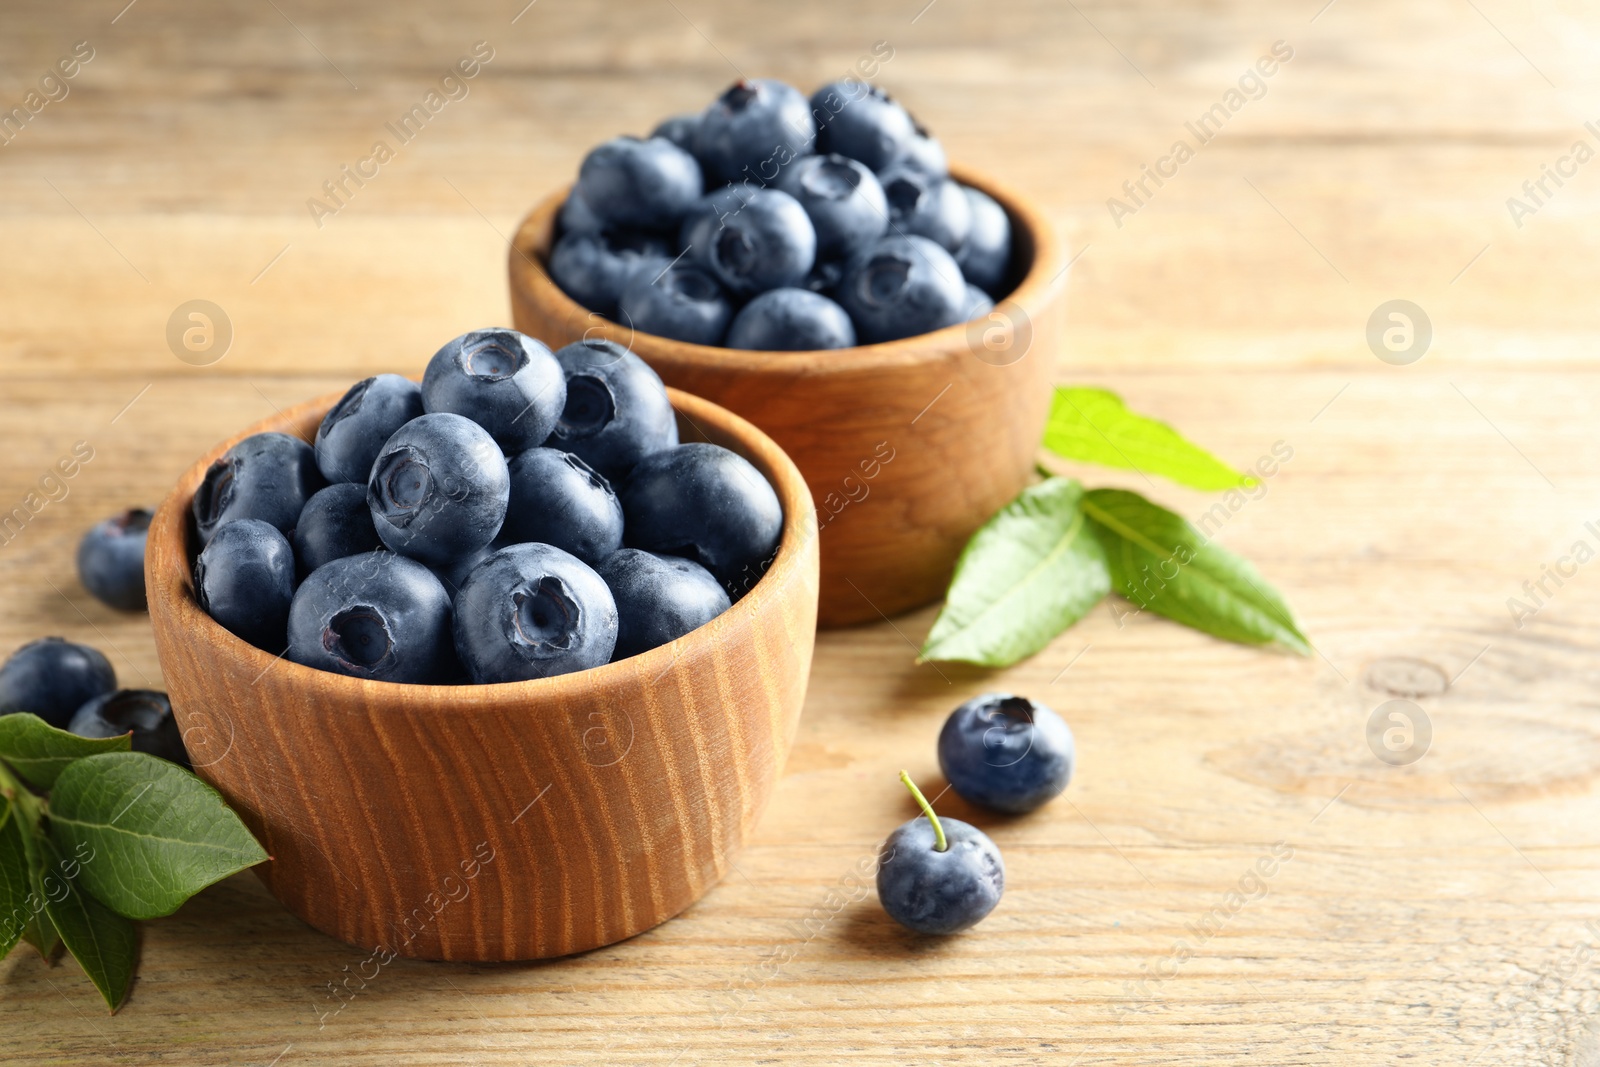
x=938 y=877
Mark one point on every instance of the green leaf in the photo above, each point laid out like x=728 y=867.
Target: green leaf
x=1094 y=426
x=15 y=880
x=39 y=931
x=104 y=943
x=1160 y=562
x=1026 y=575
x=39 y=752
x=156 y=834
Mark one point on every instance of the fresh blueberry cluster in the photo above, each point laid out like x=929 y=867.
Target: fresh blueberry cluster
x=471 y=529
x=769 y=221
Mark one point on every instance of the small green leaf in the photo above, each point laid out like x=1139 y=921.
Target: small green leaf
x=1160 y=562
x=104 y=943
x=1026 y=575
x=1094 y=426
x=15 y=880
x=39 y=752
x=39 y=931
x=156 y=834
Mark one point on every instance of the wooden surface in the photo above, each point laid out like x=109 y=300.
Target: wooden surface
x=487 y=823
x=1430 y=915
x=897 y=492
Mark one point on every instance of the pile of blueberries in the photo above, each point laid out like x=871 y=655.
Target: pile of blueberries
x=472 y=529
x=769 y=221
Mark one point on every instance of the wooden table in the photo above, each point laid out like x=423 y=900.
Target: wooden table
x=1445 y=912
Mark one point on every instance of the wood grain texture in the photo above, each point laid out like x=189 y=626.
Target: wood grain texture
x=908 y=446
x=498 y=822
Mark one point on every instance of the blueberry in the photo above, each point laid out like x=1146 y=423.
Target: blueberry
x=978 y=303
x=826 y=276
x=576 y=216
x=791 y=320
x=558 y=499
x=356 y=427
x=111 y=560
x=244 y=579
x=52 y=678
x=377 y=615
x=859 y=120
x=679 y=129
x=505 y=381
x=708 y=504
x=533 y=611
x=684 y=303
x=934 y=890
x=453 y=575
x=648 y=184
x=268 y=476
x=923 y=153
x=617 y=409
x=1006 y=752
x=985 y=258
x=844 y=201
x=766 y=242
x=593 y=268
x=900 y=287
x=659 y=598
x=752 y=131
x=336 y=522
x=922 y=206
x=144 y=712
x=439 y=488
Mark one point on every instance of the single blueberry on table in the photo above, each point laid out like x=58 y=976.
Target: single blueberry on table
x=244 y=579
x=52 y=678
x=356 y=427
x=1006 y=753
x=593 y=268
x=679 y=129
x=978 y=303
x=533 y=611
x=860 y=120
x=379 y=616
x=111 y=560
x=336 y=522
x=921 y=206
x=938 y=876
x=752 y=131
x=268 y=476
x=505 y=381
x=767 y=242
x=683 y=303
x=985 y=258
x=844 y=201
x=558 y=499
x=145 y=713
x=900 y=287
x=617 y=409
x=708 y=504
x=791 y=320
x=659 y=598
x=648 y=184
x=439 y=488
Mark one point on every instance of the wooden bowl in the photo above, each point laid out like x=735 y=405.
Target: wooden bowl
x=908 y=446
x=498 y=822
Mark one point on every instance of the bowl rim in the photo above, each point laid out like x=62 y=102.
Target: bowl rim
x=1032 y=293
x=169 y=576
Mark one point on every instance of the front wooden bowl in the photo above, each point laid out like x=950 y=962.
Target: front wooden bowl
x=498 y=822
x=958 y=413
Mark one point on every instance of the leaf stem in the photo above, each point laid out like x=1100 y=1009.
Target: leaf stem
x=940 y=845
x=19 y=794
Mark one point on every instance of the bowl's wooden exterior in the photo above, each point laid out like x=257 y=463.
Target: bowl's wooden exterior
x=499 y=822
x=908 y=446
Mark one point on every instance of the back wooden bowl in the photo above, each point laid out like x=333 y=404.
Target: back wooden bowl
x=959 y=414
x=498 y=822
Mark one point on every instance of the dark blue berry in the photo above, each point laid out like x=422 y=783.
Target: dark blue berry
x=533 y=611
x=844 y=201
x=791 y=320
x=111 y=560
x=439 y=488
x=985 y=258
x=558 y=499
x=52 y=678
x=356 y=427
x=900 y=287
x=453 y=575
x=765 y=241
x=1006 y=752
x=679 y=129
x=648 y=184
x=379 y=616
x=921 y=206
x=617 y=409
x=923 y=153
x=244 y=579
x=684 y=303
x=145 y=713
x=752 y=131
x=859 y=120
x=978 y=303
x=593 y=268
x=576 y=216
x=935 y=892
x=504 y=381
x=336 y=522
x=268 y=476
x=659 y=598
